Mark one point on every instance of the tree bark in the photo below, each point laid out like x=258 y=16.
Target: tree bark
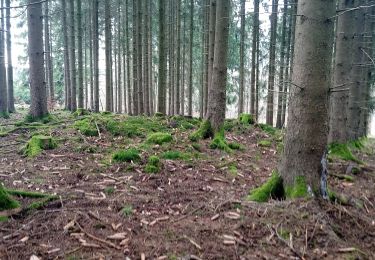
x=242 y=58
x=306 y=136
x=38 y=106
x=253 y=93
x=11 y=107
x=72 y=57
x=67 y=82
x=135 y=60
x=80 y=54
x=146 y=66
x=95 y=36
x=178 y=59
x=190 y=87
x=162 y=60
x=139 y=59
x=108 y=64
x=3 y=84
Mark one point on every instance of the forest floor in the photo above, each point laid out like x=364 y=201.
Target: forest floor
x=195 y=207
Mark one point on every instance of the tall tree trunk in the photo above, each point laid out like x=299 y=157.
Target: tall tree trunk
x=149 y=46
x=135 y=60
x=306 y=137
x=11 y=107
x=253 y=57
x=217 y=94
x=119 y=60
x=67 y=82
x=108 y=64
x=342 y=74
x=183 y=65
x=190 y=73
x=95 y=36
x=146 y=66
x=178 y=59
x=282 y=67
x=3 y=83
x=72 y=57
x=80 y=54
x=211 y=43
x=140 y=60
x=91 y=56
x=257 y=89
x=162 y=60
x=38 y=106
x=271 y=65
x=242 y=63
x=207 y=9
x=128 y=59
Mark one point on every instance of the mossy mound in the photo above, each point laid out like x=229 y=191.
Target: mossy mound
x=153 y=164
x=268 y=129
x=38 y=143
x=205 y=131
x=159 y=138
x=341 y=151
x=246 y=119
x=48 y=118
x=6 y=202
x=175 y=155
x=265 y=143
x=273 y=188
x=81 y=112
x=87 y=127
x=298 y=190
x=126 y=155
x=220 y=143
x=185 y=123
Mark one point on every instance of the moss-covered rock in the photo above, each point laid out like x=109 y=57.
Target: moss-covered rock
x=273 y=188
x=6 y=202
x=159 y=138
x=128 y=155
x=246 y=119
x=86 y=127
x=204 y=131
x=48 y=118
x=38 y=143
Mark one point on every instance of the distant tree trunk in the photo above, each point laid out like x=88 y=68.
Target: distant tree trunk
x=3 y=83
x=217 y=94
x=95 y=36
x=91 y=56
x=140 y=60
x=253 y=57
x=178 y=60
x=257 y=89
x=80 y=54
x=183 y=65
x=355 y=95
x=282 y=67
x=119 y=60
x=271 y=65
x=146 y=66
x=67 y=82
x=306 y=137
x=207 y=9
x=162 y=60
x=129 y=90
x=190 y=73
x=149 y=46
x=108 y=64
x=135 y=60
x=38 y=106
x=72 y=56
x=342 y=74
x=242 y=58
x=171 y=59
x=211 y=43
x=11 y=107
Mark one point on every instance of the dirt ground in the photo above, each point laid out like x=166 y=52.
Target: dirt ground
x=192 y=209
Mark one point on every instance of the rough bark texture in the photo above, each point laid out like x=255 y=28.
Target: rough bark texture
x=135 y=60
x=146 y=66
x=162 y=60
x=95 y=36
x=11 y=107
x=178 y=59
x=139 y=58
x=68 y=100
x=190 y=86
x=306 y=136
x=80 y=54
x=242 y=58
x=108 y=64
x=72 y=57
x=271 y=64
x=3 y=84
x=217 y=94
x=342 y=74
x=38 y=106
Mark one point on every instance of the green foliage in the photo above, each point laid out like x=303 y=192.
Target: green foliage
x=232 y=169
x=298 y=190
x=86 y=127
x=158 y=114
x=6 y=202
x=268 y=129
x=204 y=131
x=159 y=138
x=126 y=155
x=40 y=204
x=341 y=151
x=246 y=119
x=273 y=188
x=127 y=211
x=265 y=143
x=38 y=143
x=153 y=164
x=185 y=122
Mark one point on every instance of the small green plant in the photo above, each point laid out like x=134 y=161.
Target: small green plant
x=6 y=202
x=37 y=144
x=86 y=127
x=174 y=155
x=265 y=143
x=151 y=169
x=128 y=155
x=197 y=147
x=233 y=170
x=81 y=112
x=3 y=219
x=273 y=188
x=246 y=119
x=42 y=119
x=127 y=211
x=159 y=138
x=109 y=190
x=153 y=164
x=268 y=129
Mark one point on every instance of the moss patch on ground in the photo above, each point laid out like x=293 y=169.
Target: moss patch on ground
x=175 y=155
x=220 y=143
x=246 y=119
x=268 y=129
x=265 y=143
x=38 y=143
x=153 y=164
x=6 y=202
x=342 y=151
x=159 y=138
x=205 y=131
x=273 y=188
x=128 y=155
x=86 y=127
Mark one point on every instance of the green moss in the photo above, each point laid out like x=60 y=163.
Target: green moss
x=27 y=194
x=38 y=143
x=3 y=134
x=175 y=155
x=3 y=219
x=342 y=151
x=265 y=143
x=204 y=131
x=151 y=169
x=154 y=160
x=109 y=190
x=235 y=146
x=338 y=198
x=220 y=143
x=344 y=177
x=40 y=204
x=126 y=155
x=298 y=190
x=127 y=211
x=246 y=119
x=273 y=188
x=233 y=170
x=159 y=138
x=81 y=112
x=86 y=127
x=197 y=147
x=158 y=114
x=6 y=202
x=42 y=119
x=268 y=129
x=153 y=164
